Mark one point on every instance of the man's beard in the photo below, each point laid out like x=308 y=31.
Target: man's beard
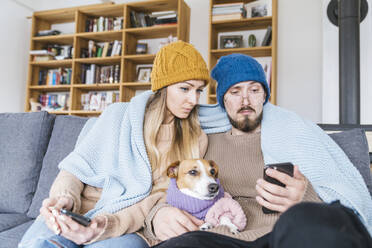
x=246 y=125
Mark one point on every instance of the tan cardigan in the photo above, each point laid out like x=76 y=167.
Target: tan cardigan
x=131 y=219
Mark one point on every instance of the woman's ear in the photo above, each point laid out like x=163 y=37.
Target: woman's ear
x=172 y=170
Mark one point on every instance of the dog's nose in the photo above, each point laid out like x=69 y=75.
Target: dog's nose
x=213 y=188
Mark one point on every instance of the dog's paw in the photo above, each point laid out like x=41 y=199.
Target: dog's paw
x=234 y=230
x=205 y=226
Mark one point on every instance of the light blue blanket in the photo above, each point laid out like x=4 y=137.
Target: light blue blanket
x=110 y=154
x=286 y=137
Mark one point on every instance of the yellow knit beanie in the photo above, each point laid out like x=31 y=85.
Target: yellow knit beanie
x=177 y=62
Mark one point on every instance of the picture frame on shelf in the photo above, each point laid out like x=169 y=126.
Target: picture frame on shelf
x=259 y=8
x=144 y=74
x=141 y=48
x=231 y=41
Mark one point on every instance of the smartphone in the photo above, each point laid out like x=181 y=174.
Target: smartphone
x=286 y=168
x=81 y=219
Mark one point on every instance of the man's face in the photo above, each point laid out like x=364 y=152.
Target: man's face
x=244 y=103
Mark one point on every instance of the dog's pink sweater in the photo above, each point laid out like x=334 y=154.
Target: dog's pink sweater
x=227 y=207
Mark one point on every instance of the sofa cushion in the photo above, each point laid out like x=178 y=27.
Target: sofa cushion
x=62 y=141
x=24 y=138
x=354 y=143
x=11 y=237
x=8 y=220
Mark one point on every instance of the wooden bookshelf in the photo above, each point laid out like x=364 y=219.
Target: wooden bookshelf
x=216 y=28
x=78 y=39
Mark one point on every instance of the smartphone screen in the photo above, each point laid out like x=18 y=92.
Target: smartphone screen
x=286 y=168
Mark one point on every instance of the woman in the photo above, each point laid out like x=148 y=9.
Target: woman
x=116 y=173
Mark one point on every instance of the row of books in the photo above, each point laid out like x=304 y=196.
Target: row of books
x=54 y=101
x=104 y=24
x=55 y=76
x=95 y=74
x=53 y=51
x=239 y=10
x=102 y=49
x=228 y=11
x=98 y=101
x=139 y=19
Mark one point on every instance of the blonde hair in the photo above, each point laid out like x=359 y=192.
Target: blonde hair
x=185 y=141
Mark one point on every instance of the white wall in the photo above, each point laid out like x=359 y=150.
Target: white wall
x=299 y=51
x=14 y=44
x=300 y=57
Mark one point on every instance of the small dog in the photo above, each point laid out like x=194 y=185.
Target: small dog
x=194 y=188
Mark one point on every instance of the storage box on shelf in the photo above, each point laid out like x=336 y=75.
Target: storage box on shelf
x=233 y=20
x=104 y=57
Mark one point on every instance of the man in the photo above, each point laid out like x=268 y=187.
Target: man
x=260 y=134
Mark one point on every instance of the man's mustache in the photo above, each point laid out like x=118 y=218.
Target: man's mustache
x=246 y=108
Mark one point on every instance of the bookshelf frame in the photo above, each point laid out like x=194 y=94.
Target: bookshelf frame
x=43 y=20
x=255 y=23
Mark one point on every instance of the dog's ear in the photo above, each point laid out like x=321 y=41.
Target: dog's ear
x=215 y=167
x=172 y=170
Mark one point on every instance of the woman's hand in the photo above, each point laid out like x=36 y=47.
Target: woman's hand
x=170 y=222
x=279 y=198
x=80 y=234
x=53 y=205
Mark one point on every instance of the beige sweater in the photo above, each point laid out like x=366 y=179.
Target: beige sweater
x=241 y=163
x=130 y=219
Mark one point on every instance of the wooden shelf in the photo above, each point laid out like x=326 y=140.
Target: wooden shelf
x=136 y=84
x=101 y=61
x=127 y=61
x=141 y=58
x=242 y=24
x=153 y=32
x=50 y=87
x=53 y=63
x=98 y=87
x=66 y=39
x=83 y=112
x=59 y=112
x=252 y=51
x=102 y=36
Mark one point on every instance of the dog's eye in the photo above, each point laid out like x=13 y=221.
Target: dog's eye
x=213 y=171
x=193 y=172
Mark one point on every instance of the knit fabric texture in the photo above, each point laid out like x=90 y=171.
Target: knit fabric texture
x=235 y=68
x=177 y=62
x=192 y=205
x=110 y=153
x=229 y=208
x=240 y=165
x=286 y=137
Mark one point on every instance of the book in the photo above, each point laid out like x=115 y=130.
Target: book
x=229 y=5
x=41 y=58
x=227 y=17
x=267 y=38
x=42 y=52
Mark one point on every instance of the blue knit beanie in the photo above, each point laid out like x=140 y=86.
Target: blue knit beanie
x=235 y=68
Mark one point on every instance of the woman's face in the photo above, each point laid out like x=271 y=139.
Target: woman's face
x=182 y=98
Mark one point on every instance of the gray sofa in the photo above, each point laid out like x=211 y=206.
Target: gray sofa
x=32 y=145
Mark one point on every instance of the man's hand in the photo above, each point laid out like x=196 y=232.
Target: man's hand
x=170 y=222
x=52 y=206
x=279 y=198
x=80 y=234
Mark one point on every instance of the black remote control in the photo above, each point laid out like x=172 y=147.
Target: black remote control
x=81 y=219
